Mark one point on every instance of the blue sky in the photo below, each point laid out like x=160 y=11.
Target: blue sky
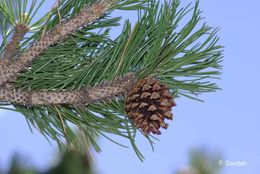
x=228 y=120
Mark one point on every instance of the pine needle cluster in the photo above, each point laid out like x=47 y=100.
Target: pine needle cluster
x=69 y=64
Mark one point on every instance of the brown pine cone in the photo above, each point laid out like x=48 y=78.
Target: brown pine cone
x=148 y=104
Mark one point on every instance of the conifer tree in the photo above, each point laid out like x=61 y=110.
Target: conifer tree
x=68 y=163
x=63 y=70
x=202 y=161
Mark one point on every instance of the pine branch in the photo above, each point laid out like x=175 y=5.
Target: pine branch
x=11 y=48
x=3 y=63
x=85 y=16
x=99 y=93
x=182 y=56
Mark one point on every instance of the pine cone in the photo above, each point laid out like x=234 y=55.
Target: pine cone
x=148 y=104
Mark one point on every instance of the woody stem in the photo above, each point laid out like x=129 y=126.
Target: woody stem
x=108 y=90
x=12 y=47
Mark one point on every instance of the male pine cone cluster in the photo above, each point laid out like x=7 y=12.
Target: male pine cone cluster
x=148 y=104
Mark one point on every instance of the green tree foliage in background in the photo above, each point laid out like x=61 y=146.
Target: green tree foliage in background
x=201 y=161
x=69 y=163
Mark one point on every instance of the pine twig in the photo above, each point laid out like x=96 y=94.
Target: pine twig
x=11 y=50
x=3 y=63
x=11 y=47
x=60 y=32
x=106 y=91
